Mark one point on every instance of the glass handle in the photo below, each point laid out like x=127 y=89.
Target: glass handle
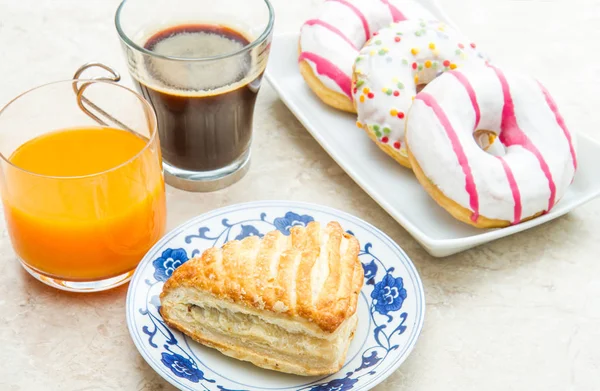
x=87 y=106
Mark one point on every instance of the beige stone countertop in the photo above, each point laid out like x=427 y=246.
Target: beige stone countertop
x=521 y=313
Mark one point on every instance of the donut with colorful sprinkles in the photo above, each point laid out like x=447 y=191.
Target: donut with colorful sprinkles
x=390 y=68
x=330 y=42
x=533 y=159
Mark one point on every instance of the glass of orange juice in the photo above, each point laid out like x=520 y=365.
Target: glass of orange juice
x=83 y=202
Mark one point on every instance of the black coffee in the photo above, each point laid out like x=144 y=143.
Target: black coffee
x=204 y=108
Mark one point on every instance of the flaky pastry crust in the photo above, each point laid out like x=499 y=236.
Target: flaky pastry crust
x=259 y=273
x=286 y=303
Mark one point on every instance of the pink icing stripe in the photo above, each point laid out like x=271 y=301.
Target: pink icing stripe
x=331 y=28
x=509 y=174
x=397 y=16
x=360 y=15
x=514 y=188
x=561 y=122
x=470 y=186
x=329 y=69
x=511 y=134
x=465 y=82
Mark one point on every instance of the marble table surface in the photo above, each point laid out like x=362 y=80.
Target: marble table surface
x=521 y=313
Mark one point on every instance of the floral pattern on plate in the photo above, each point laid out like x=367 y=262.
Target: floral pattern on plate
x=391 y=308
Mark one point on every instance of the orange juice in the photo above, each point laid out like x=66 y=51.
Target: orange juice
x=84 y=204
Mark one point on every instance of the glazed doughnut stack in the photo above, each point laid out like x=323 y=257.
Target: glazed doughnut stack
x=489 y=145
x=330 y=43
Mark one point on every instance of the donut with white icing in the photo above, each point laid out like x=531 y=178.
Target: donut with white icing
x=530 y=166
x=391 y=66
x=330 y=42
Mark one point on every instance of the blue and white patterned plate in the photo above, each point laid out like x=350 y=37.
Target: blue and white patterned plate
x=391 y=307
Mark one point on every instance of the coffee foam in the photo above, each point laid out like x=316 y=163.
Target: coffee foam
x=199 y=78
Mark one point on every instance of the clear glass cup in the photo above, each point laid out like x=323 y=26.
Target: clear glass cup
x=200 y=65
x=86 y=226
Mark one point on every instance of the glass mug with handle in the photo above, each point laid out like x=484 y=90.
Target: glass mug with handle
x=200 y=64
x=83 y=202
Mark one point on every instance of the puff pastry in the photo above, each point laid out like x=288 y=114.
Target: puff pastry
x=286 y=303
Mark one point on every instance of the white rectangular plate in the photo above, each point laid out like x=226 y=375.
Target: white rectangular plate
x=389 y=184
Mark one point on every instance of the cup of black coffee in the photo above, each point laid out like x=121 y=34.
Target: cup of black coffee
x=200 y=64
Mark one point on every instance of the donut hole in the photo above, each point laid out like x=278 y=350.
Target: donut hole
x=485 y=138
x=424 y=77
x=489 y=142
